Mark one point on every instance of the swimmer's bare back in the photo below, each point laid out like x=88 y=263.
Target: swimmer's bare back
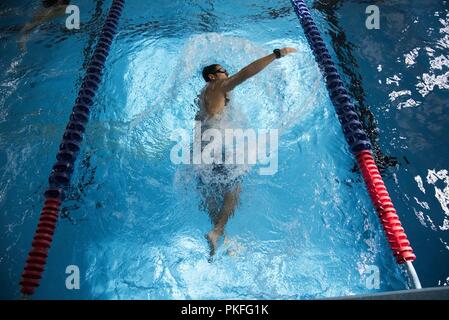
x=215 y=95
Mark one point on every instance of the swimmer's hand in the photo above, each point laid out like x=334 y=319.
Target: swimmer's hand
x=286 y=51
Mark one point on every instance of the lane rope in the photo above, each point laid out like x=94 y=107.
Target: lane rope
x=359 y=143
x=62 y=170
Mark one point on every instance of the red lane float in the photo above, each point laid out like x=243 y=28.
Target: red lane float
x=37 y=258
x=384 y=207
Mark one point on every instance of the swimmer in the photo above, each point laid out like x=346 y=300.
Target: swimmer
x=221 y=196
x=50 y=9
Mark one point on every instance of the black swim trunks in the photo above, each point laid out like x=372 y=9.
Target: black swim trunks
x=219 y=178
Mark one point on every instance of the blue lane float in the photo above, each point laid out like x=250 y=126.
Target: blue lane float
x=352 y=128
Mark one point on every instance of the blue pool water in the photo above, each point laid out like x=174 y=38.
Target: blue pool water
x=133 y=223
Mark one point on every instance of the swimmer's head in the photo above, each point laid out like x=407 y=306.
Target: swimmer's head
x=214 y=72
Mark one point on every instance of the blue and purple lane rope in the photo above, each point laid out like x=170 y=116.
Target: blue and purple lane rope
x=62 y=171
x=358 y=141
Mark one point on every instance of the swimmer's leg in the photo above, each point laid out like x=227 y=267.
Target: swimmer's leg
x=230 y=201
x=42 y=16
x=212 y=208
x=25 y=35
x=38 y=18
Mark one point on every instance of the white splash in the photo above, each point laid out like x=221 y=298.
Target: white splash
x=442 y=195
x=410 y=103
x=395 y=94
x=394 y=79
x=439 y=62
x=423 y=204
x=410 y=58
x=418 y=180
x=430 y=80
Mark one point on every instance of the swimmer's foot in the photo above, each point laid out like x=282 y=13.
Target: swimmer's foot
x=212 y=238
x=234 y=248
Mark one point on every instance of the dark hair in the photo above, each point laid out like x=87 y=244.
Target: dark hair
x=51 y=3
x=209 y=70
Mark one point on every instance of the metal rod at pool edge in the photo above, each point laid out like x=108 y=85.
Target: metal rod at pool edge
x=413 y=275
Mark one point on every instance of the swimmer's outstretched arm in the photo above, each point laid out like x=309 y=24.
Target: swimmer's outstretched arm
x=252 y=69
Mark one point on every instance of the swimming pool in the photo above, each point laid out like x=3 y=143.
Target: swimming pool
x=133 y=222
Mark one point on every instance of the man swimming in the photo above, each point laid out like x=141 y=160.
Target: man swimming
x=50 y=10
x=221 y=194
